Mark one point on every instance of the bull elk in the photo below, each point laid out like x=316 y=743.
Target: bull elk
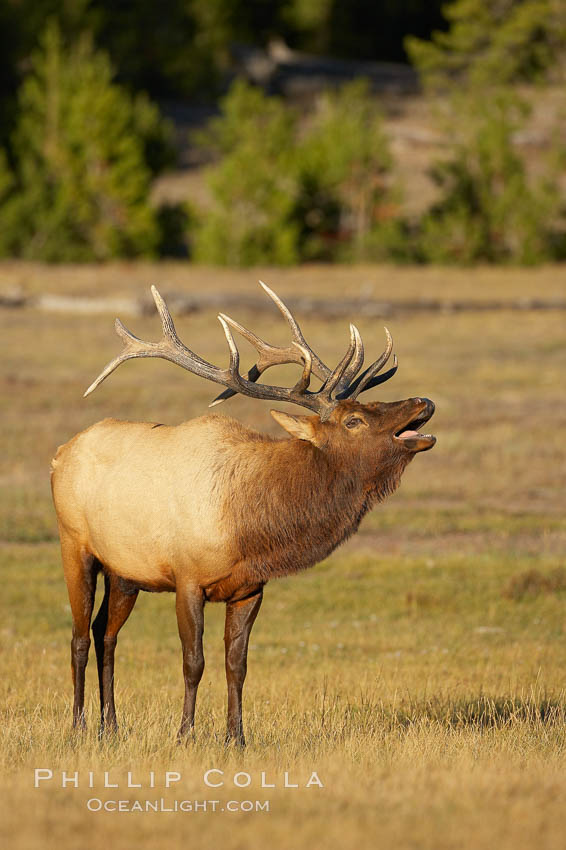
x=212 y=510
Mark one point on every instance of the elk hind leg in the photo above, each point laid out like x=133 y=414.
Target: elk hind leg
x=80 y=569
x=119 y=600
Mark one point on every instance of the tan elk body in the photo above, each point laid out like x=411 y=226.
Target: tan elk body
x=212 y=510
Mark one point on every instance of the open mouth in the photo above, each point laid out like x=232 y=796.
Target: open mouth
x=411 y=437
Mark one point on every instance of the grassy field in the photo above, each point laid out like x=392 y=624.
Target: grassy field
x=420 y=670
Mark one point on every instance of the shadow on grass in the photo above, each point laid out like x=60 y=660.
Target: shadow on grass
x=533 y=582
x=483 y=712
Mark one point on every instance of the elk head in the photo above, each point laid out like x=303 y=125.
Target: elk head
x=366 y=436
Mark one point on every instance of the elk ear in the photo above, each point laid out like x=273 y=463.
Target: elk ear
x=302 y=427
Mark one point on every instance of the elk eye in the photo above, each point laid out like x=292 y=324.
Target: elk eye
x=353 y=422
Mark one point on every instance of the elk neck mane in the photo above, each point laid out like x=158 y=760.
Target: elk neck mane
x=289 y=504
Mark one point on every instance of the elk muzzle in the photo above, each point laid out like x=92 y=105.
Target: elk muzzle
x=409 y=435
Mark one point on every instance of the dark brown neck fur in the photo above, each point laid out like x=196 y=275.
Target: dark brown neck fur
x=300 y=503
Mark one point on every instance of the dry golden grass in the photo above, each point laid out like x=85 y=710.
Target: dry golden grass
x=428 y=698
x=387 y=282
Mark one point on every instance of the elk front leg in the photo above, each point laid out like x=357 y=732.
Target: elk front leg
x=116 y=607
x=190 y=620
x=240 y=617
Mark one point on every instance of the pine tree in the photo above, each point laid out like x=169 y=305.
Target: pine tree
x=254 y=184
x=490 y=209
x=80 y=184
x=347 y=205
x=284 y=193
x=493 y=41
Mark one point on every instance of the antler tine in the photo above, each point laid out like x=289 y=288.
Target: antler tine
x=368 y=377
x=298 y=394
x=109 y=368
x=305 y=379
x=133 y=347
x=169 y=331
x=356 y=363
x=271 y=355
x=258 y=368
x=252 y=375
x=339 y=372
x=234 y=353
x=170 y=348
x=380 y=379
x=320 y=369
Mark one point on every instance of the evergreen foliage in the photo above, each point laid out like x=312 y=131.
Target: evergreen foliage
x=503 y=41
x=81 y=178
x=254 y=183
x=182 y=48
x=347 y=207
x=282 y=195
x=490 y=210
x=79 y=150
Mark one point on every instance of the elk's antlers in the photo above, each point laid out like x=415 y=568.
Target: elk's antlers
x=337 y=384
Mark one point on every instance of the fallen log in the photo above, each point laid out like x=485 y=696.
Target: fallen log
x=325 y=308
